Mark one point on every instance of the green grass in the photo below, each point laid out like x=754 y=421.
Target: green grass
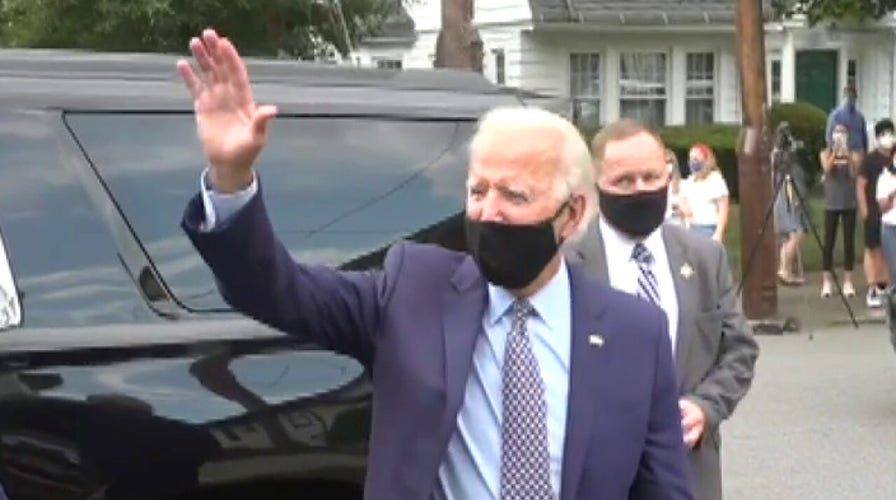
x=810 y=250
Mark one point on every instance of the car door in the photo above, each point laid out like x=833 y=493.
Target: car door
x=127 y=375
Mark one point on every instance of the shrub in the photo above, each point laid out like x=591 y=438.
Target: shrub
x=721 y=138
x=807 y=122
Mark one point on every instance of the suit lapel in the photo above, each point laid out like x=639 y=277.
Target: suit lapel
x=681 y=265
x=591 y=251
x=589 y=378
x=463 y=307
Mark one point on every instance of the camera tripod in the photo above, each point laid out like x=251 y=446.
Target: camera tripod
x=786 y=178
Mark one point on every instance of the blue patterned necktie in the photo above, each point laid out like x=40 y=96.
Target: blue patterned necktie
x=647 y=285
x=525 y=461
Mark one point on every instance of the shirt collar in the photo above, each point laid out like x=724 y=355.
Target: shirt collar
x=618 y=239
x=553 y=296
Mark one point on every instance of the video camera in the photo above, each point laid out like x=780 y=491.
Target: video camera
x=784 y=139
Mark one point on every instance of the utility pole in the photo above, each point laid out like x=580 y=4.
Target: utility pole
x=760 y=288
x=458 y=44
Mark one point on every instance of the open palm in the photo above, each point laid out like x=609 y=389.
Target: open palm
x=231 y=126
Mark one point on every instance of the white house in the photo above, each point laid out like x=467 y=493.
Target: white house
x=667 y=62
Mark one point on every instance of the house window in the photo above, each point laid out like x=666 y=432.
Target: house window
x=387 y=63
x=851 y=72
x=642 y=87
x=499 y=66
x=584 y=88
x=776 y=81
x=699 y=83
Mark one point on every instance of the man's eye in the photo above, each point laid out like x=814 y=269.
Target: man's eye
x=517 y=197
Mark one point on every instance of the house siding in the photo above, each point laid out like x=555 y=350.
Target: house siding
x=546 y=63
x=537 y=55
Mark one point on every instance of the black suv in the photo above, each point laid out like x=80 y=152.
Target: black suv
x=123 y=374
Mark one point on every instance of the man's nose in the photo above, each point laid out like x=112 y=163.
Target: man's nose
x=489 y=209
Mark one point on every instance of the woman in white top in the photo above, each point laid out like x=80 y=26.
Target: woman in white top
x=706 y=193
x=886 y=199
x=677 y=211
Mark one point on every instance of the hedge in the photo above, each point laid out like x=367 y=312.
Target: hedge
x=807 y=122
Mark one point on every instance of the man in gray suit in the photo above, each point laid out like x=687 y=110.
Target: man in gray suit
x=628 y=246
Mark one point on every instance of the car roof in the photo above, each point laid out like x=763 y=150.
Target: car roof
x=94 y=81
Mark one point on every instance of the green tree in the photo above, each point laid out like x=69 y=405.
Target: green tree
x=290 y=28
x=817 y=11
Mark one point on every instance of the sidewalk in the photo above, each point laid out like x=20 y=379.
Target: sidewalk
x=804 y=303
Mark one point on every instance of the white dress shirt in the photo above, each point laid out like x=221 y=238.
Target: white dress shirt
x=623 y=270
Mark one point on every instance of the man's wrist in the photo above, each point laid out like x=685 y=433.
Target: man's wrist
x=228 y=181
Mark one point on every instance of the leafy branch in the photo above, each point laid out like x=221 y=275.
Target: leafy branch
x=817 y=11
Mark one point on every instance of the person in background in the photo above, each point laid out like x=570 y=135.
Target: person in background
x=876 y=275
x=706 y=193
x=885 y=195
x=677 y=211
x=850 y=117
x=839 y=178
x=791 y=224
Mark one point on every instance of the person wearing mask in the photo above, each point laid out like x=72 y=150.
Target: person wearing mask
x=497 y=373
x=848 y=115
x=885 y=194
x=628 y=246
x=706 y=194
x=876 y=275
x=839 y=178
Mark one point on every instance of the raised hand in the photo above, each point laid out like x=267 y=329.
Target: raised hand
x=231 y=126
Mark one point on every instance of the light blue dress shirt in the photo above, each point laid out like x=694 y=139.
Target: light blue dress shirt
x=471 y=469
x=219 y=206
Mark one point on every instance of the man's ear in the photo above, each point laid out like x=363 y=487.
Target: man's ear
x=577 y=212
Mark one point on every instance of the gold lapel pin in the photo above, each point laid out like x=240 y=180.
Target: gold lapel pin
x=686 y=271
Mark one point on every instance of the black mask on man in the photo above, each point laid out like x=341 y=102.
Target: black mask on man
x=636 y=214
x=512 y=255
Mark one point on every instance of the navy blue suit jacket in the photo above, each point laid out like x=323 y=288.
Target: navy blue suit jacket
x=414 y=325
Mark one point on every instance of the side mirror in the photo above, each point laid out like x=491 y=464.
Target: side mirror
x=10 y=307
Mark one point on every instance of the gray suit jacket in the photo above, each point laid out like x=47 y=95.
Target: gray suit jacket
x=715 y=348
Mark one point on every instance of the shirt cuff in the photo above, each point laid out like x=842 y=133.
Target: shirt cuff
x=220 y=207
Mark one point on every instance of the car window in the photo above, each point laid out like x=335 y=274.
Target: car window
x=63 y=258
x=339 y=190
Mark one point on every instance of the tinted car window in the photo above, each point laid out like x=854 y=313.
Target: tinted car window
x=339 y=190
x=63 y=258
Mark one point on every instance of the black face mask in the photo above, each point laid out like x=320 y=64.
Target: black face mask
x=636 y=214
x=512 y=255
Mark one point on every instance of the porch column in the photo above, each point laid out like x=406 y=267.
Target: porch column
x=611 y=86
x=893 y=77
x=676 y=93
x=788 y=68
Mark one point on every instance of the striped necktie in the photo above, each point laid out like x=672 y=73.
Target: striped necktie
x=647 y=285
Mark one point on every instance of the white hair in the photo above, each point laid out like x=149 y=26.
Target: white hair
x=576 y=175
